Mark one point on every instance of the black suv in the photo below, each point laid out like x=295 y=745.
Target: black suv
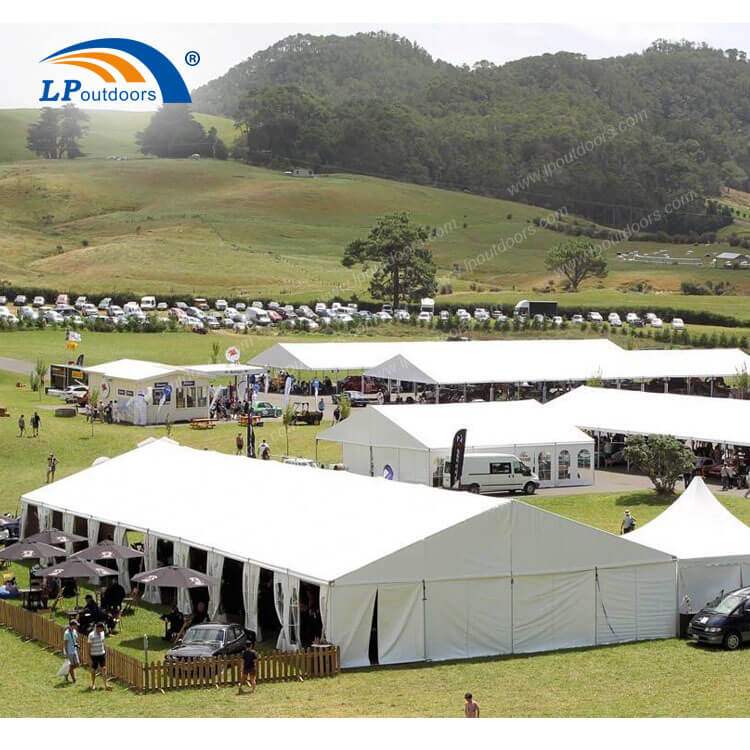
x=723 y=622
x=207 y=640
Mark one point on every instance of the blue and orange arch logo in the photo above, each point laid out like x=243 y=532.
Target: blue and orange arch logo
x=100 y=56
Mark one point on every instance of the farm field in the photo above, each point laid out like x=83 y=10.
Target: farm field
x=227 y=229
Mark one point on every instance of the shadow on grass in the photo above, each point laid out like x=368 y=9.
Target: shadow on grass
x=645 y=497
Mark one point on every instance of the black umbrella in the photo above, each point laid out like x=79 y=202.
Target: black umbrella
x=27 y=551
x=176 y=576
x=108 y=550
x=75 y=568
x=55 y=536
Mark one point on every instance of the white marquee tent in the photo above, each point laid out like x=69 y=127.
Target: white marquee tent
x=454 y=575
x=711 y=545
x=700 y=418
x=342 y=355
x=538 y=360
x=415 y=439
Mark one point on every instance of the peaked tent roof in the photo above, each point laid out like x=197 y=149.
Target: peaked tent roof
x=132 y=369
x=432 y=426
x=342 y=355
x=715 y=420
x=336 y=527
x=695 y=526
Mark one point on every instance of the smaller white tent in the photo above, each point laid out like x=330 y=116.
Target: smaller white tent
x=711 y=545
x=415 y=439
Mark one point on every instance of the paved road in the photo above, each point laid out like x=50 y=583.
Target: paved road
x=20 y=366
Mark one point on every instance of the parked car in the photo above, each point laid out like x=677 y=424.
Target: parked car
x=303 y=413
x=148 y=303
x=678 y=324
x=28 y=313
x=577 y=320
x=557 y=320
x=62 y=299
x=221 y=304
x=105 y=303
x=241 y=306
x=444 y=315
x=402 y=315
x=424 y=317
x=595 y=317
x=723 y=622
x=3 y=299
x=657 y=322
x=38 y=301
x=208 y=640
x=80 y=302
x=266 y=410
x=52 y=316
x=20 y=300
x=162 y=306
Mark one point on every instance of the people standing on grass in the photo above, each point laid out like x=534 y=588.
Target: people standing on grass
x=51 y=467
x=239 y=442
x=628 y=523
x=98 y=655
x=249 y=659
x=71 y=641
x=264 y=450
x=471 y=707
x=36 y=420
x=21 y=426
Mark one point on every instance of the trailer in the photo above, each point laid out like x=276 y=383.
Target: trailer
x=529 y=308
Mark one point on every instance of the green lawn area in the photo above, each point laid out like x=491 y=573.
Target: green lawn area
x=643 y=679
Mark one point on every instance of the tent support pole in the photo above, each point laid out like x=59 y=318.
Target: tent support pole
x=666 y=385
x=492 y=391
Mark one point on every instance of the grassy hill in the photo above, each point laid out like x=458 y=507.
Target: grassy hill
x=110 y=132
x=223 y=228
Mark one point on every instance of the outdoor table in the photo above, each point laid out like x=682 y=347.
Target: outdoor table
x=202 y=424
x=31 y=598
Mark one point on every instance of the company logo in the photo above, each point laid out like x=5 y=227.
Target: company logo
x=124 y=81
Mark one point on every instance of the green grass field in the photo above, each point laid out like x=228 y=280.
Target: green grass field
x=227 y=229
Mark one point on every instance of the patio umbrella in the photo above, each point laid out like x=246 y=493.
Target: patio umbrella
x=26 y=551
x=55 y=536
x=77 y=568
x=175 y=576
x=108 y=550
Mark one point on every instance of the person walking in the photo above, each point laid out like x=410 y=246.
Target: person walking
x=98 y=655
x=36 y=420
x=239 y=443
x=628 y=523
x=72 y=651
x=264 y=450
x=249 y=659
x=321 y=405
x=51 y=467
x=471 y=707
x=21 y=426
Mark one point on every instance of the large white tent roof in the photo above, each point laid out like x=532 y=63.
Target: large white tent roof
x=221 y=369
x=342 y=355
x=714 y=420
x=451 y=363
x=322 y=525
x=132 y=369
x=432 y=426
x=695 y=526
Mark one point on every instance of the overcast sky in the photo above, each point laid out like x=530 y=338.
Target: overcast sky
x=221 y=46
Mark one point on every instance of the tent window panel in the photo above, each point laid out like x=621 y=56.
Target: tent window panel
x=544 y=465
x=157 y=394
x=563 y=465
x=584 y=458
x=188 y=396
x=180 y=398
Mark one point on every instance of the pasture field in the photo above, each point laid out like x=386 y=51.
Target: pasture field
x=226 y=229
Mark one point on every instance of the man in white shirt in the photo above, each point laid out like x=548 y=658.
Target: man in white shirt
x=98 y=655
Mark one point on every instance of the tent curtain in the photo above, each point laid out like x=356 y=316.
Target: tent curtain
x=250 y=581
x=400 y=623
x=24 y=518
x=323 y=607
x=151 y=594
x=215 y=567
x=181 y=557
x=123 y=571
x=69 y=521
x=350 y=611
x=93 y=531
x=45 y=516
x=286 y=599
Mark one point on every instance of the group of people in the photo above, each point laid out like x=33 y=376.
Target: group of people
x=175 y=622
x=263 y=451
x=9 y=588
x=35 y=423
x=97 y=652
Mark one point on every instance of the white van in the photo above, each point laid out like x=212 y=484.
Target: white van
x=493 y=472
x=131 y=308
x=148 y=303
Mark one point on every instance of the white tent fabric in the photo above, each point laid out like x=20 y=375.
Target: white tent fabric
x=214 y=568
x=329 y=356
x=181 y=557
x=68 y=527
x=123 y=568
x=250 y=581
x=455 y=363
x=151 y=594
x=711 y=545
x=455 y=575
x=713 y=420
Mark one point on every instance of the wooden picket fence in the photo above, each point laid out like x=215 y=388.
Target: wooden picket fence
x=162 y=676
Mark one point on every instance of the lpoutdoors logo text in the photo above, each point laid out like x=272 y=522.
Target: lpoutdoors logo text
x=124 y=81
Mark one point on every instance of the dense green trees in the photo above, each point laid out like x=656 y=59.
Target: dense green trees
x=55 y=135
x=610 y=139
x=174 y=133
x=403 y=269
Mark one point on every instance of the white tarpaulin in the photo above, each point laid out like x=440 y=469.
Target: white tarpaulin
x=181 y=557
x=250 y=581
x=440 y=562
x=701 y=418
x=151 y=594
x=710 y=544
x=123 y=568
x=214 y=568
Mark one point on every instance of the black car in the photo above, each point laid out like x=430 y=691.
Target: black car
x=207 y=640
x=724 y=621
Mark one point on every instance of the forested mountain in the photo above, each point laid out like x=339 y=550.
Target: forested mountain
x=613 y=139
